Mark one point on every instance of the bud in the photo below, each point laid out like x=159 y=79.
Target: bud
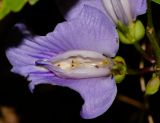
x=131 y=33
x=153 y=85
x=119 y=69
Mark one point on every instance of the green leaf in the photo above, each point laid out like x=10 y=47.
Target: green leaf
x=156 y=1
x=32 y=2
x=7 y=6
x=15 y=5
x=4 y=9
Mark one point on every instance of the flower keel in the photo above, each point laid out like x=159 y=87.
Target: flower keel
x=78 y=64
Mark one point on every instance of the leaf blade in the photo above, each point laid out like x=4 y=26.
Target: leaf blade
x=156 y=1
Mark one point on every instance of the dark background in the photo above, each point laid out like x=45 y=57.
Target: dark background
x=53 y=104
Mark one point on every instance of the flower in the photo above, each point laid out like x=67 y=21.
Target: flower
x=122 y=13
x=77 y=54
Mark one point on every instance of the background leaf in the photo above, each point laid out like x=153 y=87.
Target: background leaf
x=156 y=1
x=15 y=5
x=4 y=9
x=7 y=6
x=32 y=2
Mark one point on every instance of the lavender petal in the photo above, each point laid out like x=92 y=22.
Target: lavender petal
x=72 y=8
x=98 y=93
x=92 y=30
x=138 y=7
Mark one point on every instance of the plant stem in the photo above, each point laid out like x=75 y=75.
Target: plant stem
x=144 y=54
x=130 y=101
x=140 y=71
x=150 y=31
x=147 y=107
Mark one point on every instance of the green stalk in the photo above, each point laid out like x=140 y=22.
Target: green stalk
x=150 y=31
x=143 y=53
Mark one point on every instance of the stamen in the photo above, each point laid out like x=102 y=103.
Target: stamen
x=97 y=66
x=72 y=65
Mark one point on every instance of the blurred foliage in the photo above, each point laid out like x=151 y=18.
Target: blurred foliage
x=7 y=6
x=156 y=1
x=8 y=115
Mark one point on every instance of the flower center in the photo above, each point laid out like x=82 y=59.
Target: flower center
x=119 y=10
x=78 y=64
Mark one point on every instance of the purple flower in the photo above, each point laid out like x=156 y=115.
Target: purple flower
x=125 y=11
x=77 y=54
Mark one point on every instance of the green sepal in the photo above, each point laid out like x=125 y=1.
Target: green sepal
x=132 y=33
x=119 y=69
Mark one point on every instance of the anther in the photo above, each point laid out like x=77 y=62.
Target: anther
x=97 y=66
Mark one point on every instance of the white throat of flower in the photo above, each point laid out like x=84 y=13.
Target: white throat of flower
x=119 y=10
x=78 y=64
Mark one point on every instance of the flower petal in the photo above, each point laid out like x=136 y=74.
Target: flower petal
x=23 y=29
x=23 y=58
x=24 y=63
x=72 y=8
x=98 y=93
x=138 y=7
x=92 y=30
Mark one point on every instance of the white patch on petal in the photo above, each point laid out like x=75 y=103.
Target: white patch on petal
x=127 y=9
x=82 y=53
x=119 y=10
x=109 y=8
x=40 y=68
x=78 y=64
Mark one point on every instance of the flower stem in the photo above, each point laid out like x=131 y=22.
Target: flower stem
x=131 y=101
x=147 y=107
x=140 y=71
x=150 y=31
x=143 y=53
